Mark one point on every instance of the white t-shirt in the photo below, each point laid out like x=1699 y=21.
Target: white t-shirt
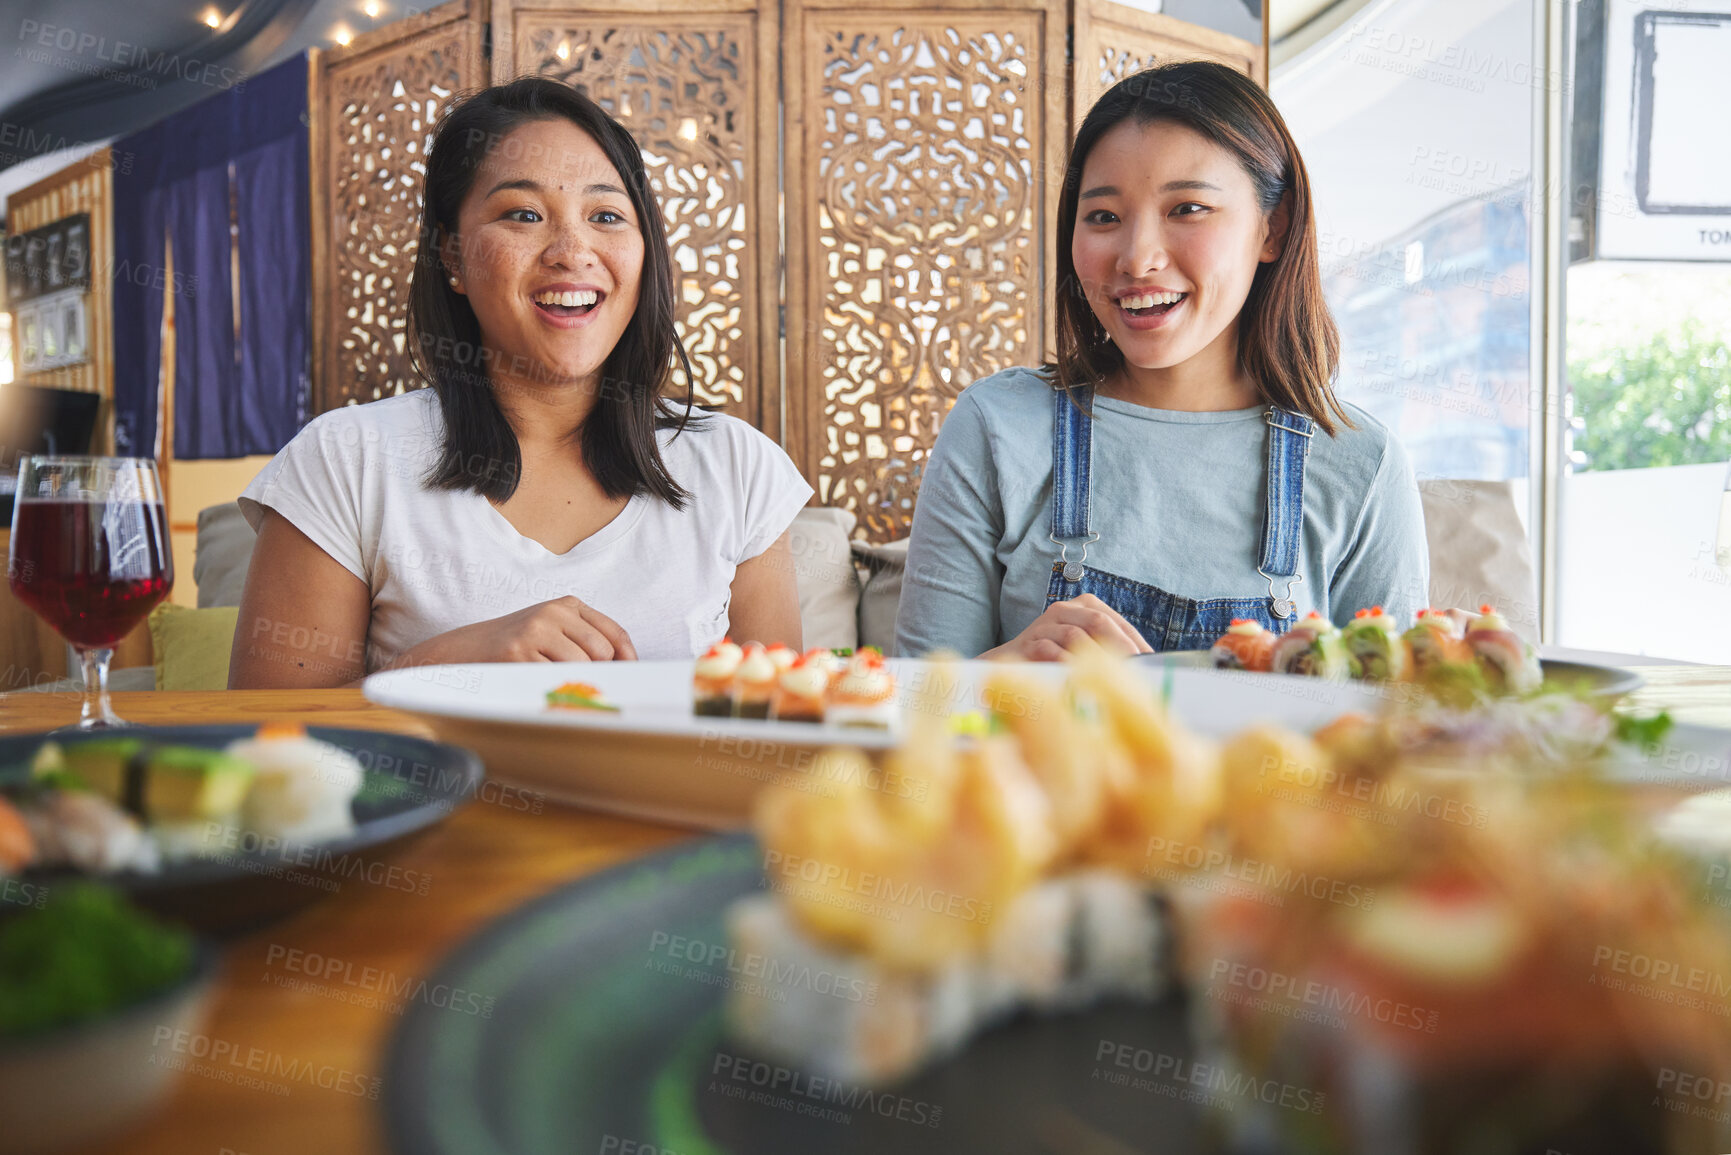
x=438 y=559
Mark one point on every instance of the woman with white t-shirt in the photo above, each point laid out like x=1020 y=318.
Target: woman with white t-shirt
x=541 y=501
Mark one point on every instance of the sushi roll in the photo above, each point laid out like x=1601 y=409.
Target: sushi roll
x=1313 y=648
x=801 y=692
x=1508 y=663
x=712 y=680
x=872 y=1024
x=1076 y=939
x=302 y=788
x=754 y=683
x=1062 y=945
x=1374 y=639
x=157 y=784
x=864 y=695
x=1246 y=645
x=1437 y=643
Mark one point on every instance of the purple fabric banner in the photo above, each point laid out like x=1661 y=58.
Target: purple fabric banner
x=226 y=182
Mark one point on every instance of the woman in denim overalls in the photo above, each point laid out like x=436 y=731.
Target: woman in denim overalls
x=1188 y=290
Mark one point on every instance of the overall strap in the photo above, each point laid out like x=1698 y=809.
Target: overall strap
x=1289 y=437
x=1072 y=468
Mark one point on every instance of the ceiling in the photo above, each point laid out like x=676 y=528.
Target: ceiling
x=82 y=71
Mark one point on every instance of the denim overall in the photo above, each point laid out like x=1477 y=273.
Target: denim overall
x=1169 y=621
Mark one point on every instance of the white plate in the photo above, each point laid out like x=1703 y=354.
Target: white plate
x=655 y=759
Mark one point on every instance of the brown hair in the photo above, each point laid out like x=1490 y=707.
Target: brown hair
x=1289 y=346
x=618 y=437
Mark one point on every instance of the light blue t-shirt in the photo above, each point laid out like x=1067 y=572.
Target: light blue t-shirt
x=1177 y=501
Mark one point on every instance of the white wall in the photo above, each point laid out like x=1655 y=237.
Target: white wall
x=1638 y=569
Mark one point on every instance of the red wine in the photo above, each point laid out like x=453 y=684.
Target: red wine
x=91 y=569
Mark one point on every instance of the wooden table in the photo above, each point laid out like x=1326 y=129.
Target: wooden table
x=483 y=861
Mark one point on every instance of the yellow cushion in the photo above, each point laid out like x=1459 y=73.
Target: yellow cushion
x=192 y=646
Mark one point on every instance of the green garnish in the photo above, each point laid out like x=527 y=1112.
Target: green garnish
x=85 y=953
x=1644 y=732
x=1457 y=684
x=578 y=696
x=60 y=780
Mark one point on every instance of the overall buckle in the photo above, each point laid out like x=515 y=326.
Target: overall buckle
x=1281 y=606
x=1073 y=569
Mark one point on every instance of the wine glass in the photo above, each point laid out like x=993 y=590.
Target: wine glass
x=91 y=556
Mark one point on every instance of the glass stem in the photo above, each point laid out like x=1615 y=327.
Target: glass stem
x=98 y=712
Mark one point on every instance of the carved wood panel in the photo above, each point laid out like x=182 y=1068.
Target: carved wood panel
x=687 y=85
x=378 y=101
x=918 y=236
x=1113 y=41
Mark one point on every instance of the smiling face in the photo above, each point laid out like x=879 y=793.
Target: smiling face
x=1167 y=241
x=549 y=253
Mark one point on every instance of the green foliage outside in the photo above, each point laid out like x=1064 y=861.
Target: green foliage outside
x=1664 y=402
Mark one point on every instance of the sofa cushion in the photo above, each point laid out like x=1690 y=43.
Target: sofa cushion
x=829 y=586
x=884 y=566
x=192 y=646
x=221 y=555
x=1479 y=551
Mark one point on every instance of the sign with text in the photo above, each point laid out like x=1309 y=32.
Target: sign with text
x=48 y=260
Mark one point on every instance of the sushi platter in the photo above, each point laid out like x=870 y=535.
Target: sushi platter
x=225 y=827
x=648 y=752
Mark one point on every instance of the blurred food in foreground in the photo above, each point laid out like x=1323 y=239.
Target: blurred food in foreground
x=1423 y=920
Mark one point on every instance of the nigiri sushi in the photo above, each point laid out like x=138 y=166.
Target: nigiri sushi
x=1246 y=645
x=712 y=680
x=1507 y=661
x=82 y=829
x=1374 y=639
x=302 y=788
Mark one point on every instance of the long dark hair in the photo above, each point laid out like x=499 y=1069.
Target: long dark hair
x=1288 y=344
x=617 y=437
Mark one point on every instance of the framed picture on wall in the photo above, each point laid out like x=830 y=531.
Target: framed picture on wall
x=27 y=323
x=52 y=331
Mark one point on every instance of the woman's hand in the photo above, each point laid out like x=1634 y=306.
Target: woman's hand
x=1072 y=626
x=562 y=630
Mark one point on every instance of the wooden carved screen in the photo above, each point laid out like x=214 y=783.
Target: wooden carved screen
x=696 y=85
x=377 y=102
x=921 y=144
x=1112 y=41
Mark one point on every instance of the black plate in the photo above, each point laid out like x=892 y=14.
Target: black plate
x=410 y=784
x=584 y=1032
